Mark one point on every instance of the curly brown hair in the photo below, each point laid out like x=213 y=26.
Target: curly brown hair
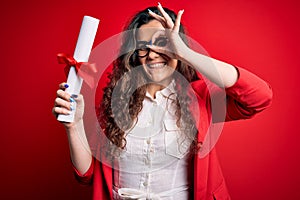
x=128 y=82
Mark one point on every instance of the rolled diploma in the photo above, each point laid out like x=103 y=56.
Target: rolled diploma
x=81 y=54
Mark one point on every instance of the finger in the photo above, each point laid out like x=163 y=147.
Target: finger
x=177 y=21
x=159 y=18
x=64 y=95
x=54 y=113
x=77 y=98
x=63 y=85
x=168 y=19
x=62 y=103
x=58 y=110
x=163 y=51
x=158 y=34
x=156 y=16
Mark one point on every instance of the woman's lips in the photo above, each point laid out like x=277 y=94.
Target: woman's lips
x=156 y=65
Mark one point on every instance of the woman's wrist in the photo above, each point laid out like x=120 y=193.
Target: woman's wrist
x=185 y=55
x=74 y=127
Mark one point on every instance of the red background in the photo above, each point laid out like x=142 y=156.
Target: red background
x=259 y=157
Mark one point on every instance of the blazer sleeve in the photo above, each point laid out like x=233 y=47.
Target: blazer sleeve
x=247 y=97
x=86 y=178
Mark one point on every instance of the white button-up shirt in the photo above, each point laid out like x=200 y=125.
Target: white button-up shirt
x=155 y=163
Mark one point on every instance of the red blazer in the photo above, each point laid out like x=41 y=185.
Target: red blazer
x=248 y=96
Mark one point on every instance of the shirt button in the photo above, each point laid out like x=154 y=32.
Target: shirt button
x=147 y=162
x=151 y=149
x=145 y=184
x=149 y=123
x=148 y=141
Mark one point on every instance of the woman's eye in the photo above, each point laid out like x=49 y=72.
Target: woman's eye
x=142 y=45
x=161 y=41
x=142 y=48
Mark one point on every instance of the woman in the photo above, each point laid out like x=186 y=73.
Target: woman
x=149 y=115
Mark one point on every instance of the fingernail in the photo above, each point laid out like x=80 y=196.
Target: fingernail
x=71 y=107
x=182 y=10
x=72 y=100
x=66 y=85
x=158 y=3
x=150 y=11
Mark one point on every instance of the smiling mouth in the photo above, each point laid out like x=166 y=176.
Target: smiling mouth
x=156 y=65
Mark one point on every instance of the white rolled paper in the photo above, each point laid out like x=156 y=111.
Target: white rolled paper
x=82 y=52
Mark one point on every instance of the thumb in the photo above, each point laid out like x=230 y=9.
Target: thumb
x=162 y=50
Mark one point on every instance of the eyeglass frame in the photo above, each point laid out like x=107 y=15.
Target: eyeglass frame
x=147 y=48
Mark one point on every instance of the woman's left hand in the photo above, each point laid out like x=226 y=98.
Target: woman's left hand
x=176 y=48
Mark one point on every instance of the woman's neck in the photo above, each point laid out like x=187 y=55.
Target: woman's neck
x=152 y=88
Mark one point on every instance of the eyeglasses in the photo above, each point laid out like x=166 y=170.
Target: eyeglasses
x=143 y=51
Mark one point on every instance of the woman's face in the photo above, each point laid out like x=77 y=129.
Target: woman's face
x=159 y=68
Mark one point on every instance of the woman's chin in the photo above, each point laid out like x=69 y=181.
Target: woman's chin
x=162 y=74
x=159 y=79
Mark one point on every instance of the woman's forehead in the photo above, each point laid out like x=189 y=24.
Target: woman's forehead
x=146 y=31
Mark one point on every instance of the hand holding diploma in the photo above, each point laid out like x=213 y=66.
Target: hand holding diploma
x=65 y=105
x=75 y=75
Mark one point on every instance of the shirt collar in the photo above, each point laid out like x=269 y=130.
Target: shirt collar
x=167 y=92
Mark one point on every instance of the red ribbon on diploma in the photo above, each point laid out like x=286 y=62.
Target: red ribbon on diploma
x=81 y=68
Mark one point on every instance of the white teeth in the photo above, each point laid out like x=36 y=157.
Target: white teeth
x=156 y=65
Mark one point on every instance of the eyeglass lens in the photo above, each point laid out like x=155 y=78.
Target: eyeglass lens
x=143 y=50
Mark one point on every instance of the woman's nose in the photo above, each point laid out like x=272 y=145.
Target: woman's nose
x=153 y=54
